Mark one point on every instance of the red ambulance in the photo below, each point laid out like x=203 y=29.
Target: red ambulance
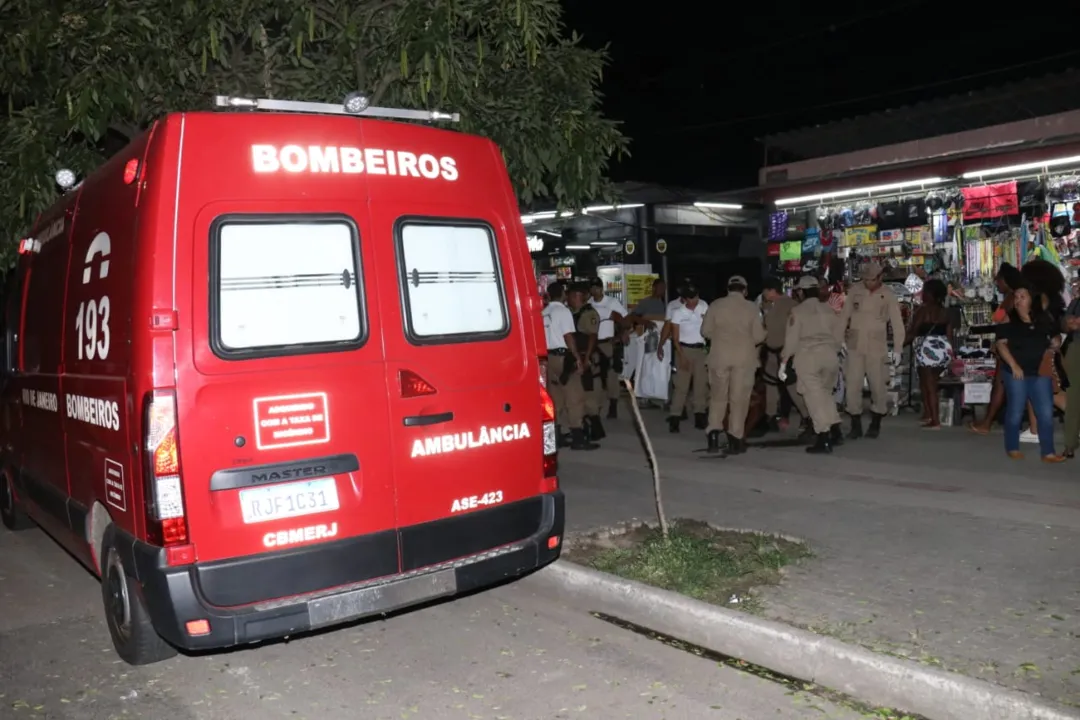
x=277 y=368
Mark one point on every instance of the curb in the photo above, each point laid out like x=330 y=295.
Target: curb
x=849 y=669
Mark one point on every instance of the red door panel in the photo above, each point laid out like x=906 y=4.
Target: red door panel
x=475 y=440
x=289 y=410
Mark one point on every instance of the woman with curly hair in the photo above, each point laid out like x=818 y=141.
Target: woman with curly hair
x=1048 y=289
x=930 y=335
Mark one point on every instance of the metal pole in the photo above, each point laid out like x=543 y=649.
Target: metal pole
x=643 y=233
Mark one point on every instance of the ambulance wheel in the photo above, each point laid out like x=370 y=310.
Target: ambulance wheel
x=133 y=634
x=11 y=514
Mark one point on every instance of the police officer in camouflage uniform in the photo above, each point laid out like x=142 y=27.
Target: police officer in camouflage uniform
x=587 y=326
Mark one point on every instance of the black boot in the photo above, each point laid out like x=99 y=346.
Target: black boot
x=856 y=427
x=579 y=442
x=806 y=432
x=713 y=437
x=673 y=423
x=612 y=409
x=561 y=439
x=821 y=446
x=701 y=421
x=684 y=415
x=836 y=435
x=875 y=425
x=596 y=427
x=736 y=446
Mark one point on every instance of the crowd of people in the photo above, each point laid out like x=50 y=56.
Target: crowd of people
x=739 y=361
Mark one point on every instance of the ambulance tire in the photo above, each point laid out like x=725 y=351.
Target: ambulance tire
x=11 y=515
x=133 y=634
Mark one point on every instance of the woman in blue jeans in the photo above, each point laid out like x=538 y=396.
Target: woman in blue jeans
x=1026 y=344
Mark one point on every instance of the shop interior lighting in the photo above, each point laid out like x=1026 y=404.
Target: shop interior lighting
x=717 y=206
x=1014 y=169
x=552 y=214
x=604 y=244
x=870 y=190
x=607 y=208
x=526 y=219
x=549 y=232
x=578 y=247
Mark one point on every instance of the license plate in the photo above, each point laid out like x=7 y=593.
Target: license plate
x=288 y=500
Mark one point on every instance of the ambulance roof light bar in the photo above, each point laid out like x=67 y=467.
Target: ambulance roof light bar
x=354 y=104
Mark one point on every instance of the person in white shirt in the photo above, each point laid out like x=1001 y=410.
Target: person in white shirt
x=609 y=340
x=683 y=326
x=565 y=368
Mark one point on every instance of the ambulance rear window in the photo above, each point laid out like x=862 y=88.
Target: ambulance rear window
x=452 y=285
x=285 y=285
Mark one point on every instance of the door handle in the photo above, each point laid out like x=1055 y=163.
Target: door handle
x=425 y=420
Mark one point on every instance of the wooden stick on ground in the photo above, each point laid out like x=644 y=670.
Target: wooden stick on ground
x=661 y=516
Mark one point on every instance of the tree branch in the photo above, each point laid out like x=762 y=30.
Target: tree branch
x=361 y=51
x=388 y=79
x=264 y=43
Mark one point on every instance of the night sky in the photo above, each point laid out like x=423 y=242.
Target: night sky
x=696 y=83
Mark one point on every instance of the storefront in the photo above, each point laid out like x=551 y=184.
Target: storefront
x=956 y=220
x=655 y=233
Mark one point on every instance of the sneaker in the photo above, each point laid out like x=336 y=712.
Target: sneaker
x=1029 y=437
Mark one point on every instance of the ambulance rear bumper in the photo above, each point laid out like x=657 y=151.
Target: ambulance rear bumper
x=173 y=597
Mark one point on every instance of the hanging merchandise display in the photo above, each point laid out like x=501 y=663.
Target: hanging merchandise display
x=960 y=235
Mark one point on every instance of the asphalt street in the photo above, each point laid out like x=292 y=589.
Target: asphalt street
x=505 y=653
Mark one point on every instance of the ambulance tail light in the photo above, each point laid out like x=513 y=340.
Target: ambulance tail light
x=167 y=521
x=551 y=445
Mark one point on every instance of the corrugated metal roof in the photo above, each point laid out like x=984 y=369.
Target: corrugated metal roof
x=1023 y=100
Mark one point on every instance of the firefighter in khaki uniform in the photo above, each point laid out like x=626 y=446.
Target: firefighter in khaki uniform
x=869 y=308
x=778 y=307
x=734 y=330
x=813 y=340
x=587 y=326
x=564 y=374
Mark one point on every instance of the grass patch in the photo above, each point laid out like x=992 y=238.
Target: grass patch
x=716 y=566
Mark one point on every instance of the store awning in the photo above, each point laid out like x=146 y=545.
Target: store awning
x=1035 y=97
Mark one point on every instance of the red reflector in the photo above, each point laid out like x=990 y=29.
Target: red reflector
x=412 y=385
x=131 y=171
x=551 y=470
x=200 y=627
x=180 y=555
x=174 y=531
x=553 y=542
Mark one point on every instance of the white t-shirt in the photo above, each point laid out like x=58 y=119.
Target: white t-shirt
x=558 y=320
x=605 y=307
x=689 y=322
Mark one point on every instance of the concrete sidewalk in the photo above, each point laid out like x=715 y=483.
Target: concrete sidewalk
x=929 y=545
